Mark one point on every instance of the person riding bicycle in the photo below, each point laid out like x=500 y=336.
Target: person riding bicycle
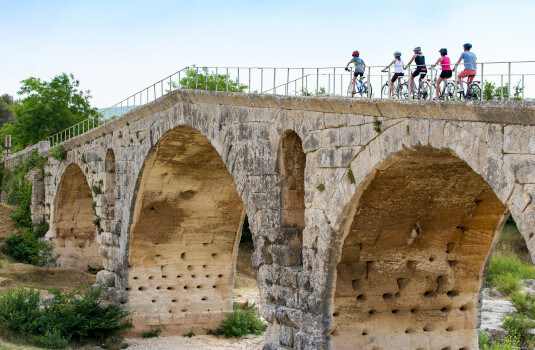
x=398 y=70
x=446 y=73
x=421 y=69
x=359 y=68
x=470 y=66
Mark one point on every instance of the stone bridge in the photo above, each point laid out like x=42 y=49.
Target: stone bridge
x=372 y=220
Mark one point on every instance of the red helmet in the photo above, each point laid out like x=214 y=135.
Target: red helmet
x=356 y=54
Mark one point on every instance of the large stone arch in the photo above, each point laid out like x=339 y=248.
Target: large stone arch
x=74 y=233
x=185 y=231
x=413 y=255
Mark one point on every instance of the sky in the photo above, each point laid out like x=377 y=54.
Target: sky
x=116 y=48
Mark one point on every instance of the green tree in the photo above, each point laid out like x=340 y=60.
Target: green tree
x=47 y=108
x=202 y=79
x=491 y=92
x=6 y=109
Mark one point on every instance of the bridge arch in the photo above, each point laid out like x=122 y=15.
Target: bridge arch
x=411 y=245
x=74 y=233
x=185 y=231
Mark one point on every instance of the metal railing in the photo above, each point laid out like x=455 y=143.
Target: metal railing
x=298 y=82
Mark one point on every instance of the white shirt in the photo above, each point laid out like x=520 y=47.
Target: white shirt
x=398 y=66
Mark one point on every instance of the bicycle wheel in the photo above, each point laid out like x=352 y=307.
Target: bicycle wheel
x=385 y=91
x=425 y=91
x=449 y=91
x=403 y=91
x=476 y=92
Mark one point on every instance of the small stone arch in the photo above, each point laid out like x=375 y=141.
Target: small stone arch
x=291 y=164
x=74 y=233
x=185 y=231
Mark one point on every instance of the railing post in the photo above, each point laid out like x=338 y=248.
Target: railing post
x=287 y=81
x=317 y=80
x=509 y=80
x=216 y=78
x=238 y=80
x=302 y=79
x=482 y=81
x=329 y=86
x=522 y=87
x=501 y=89
x=261 y=80
x=368 y=83
x=334 y=81
x=197 y=78
x=226 y=78
x=274 y=81
x=455 y=85
x=249 y=80
x=390 y=82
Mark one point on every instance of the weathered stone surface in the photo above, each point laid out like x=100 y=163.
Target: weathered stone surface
x=372 y=220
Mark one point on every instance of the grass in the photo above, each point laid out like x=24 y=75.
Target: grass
x=511 y=243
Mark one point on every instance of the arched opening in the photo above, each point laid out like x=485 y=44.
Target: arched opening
x=75 y=234
x=184 y=238
x=110 y=182
x=413 y=257
x=291 y=164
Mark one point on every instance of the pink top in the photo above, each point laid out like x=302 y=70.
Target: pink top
x=445 y=63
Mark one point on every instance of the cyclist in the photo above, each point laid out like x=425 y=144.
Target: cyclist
x=446 y=73
x=359 y=68
x=470 y=67
x=421 y=69
x=398 y=70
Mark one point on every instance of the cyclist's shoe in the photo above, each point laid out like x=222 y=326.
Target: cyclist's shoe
x=354 y=91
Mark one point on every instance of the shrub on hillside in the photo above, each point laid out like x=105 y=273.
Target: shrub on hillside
x=503 y=265
x=27 y=248
x=524 y=304
x=519 y=326
x=69 y=318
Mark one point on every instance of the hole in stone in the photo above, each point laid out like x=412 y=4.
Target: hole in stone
x=207 y=276
x=397 y=295
x=164 y=276
x=190 y=267
x=449 y=247
x=214 y=255
x=185 y=287
x=184 y=310
x=409 y=330
x=388 y=296
x=158 y=287
x=158 y=255
x=135 y=277
x=127 y=288
x=150 y=277
x=198 y=287
x=203 y=298
x=141 y=288
x=152 y=208
x=445 y=309
x=153 y=300
x=205 y=244
x=214 y=287
x=449 y=329
x=220 y=276
x=431 y=259
x=411 y=265
x=452 y=263
x=371 y=312
x=394 y=311
x=364 y=333
x=335 y=314
x=183 y=256
x=170 y=311
x=193 y=276
x=426 y=329
x=178 y=276
x=463 y=308
x=204 y=266
x=170 y=288
x=402 y=282
x=173 y=301
x=361 y=297
x=446 y=348
x=452 y=293
x=429 y=294
x=413 y=311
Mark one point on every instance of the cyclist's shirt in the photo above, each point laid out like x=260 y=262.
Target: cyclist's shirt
x=420 y=62
x=359 y=64
x=469 y=60
x=398 y=66
x=445 y=64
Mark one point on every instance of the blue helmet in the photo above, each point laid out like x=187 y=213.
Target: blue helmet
x=467 y=46
x=417 y=48
x=397 y=54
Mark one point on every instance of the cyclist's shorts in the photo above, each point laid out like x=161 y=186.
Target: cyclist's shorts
x=467 y=72
x=419 y=71
x=396 y=76
x=445 y=74
x=356 y=74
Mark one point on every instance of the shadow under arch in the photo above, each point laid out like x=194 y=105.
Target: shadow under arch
x=74 y=231
x=410 y=260
x=185 y=231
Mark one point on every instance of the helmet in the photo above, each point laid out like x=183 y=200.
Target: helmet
x=356 y=54
x=397 y=54
x=417 y=49
x=443 y=51
x=467 y=46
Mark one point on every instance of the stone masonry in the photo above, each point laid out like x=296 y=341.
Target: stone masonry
x=372 y=220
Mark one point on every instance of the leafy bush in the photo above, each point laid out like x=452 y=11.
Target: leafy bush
x=152 y=334
x=524 y=304
x=509 y=343
x=507 y=283
x=240 y=322
x=21 y=195
x=73 y=317
x=502 y=265
x=58 y=153
x=519 y=326
x=26 y=247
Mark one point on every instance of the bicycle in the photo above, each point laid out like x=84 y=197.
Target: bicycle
x=448 y=89
x=424 y=89
x=473 y=90
x=401 y=89
x=360 y=87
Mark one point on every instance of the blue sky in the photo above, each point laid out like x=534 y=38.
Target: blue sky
x=116 y=48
